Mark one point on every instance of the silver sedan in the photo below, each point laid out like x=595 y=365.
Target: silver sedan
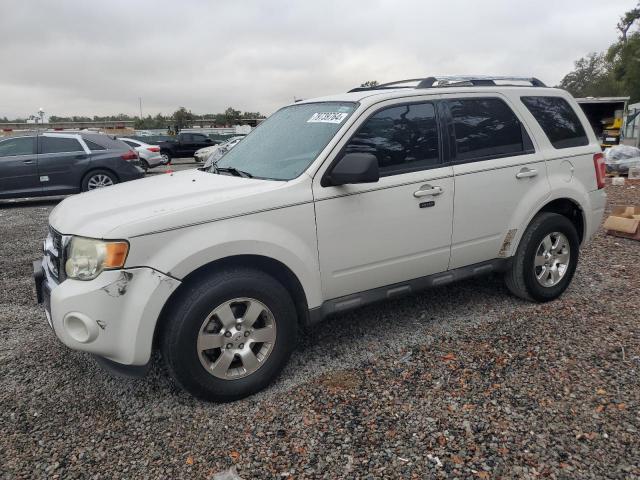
x=149 y=154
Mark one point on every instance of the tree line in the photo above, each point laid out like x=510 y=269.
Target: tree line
x=613 y=72
x=181 y=118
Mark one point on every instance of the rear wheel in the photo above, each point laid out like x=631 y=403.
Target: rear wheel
x=166 y=157
x=145 y=164
x=546 y=259
x=98 y=179
x=230 y=336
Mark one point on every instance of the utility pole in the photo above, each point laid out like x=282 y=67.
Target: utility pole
x=140 y=103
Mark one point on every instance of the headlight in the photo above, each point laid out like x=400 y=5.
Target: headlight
x=87 y=257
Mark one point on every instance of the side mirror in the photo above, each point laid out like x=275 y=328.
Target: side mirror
x=208 y=140
x=354 y=168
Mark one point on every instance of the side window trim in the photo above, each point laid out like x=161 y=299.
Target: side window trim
x=440 y=164
x=450 y=129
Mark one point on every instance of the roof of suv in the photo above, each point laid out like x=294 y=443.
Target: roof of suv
x=429 y=86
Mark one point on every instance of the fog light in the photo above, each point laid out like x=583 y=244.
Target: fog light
x=80 y=327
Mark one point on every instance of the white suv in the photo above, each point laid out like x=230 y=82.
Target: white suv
x=328 y=205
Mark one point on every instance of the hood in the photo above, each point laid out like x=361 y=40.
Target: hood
x=160 y=202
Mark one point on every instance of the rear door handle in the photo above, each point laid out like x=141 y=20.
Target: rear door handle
x=527 y=173
x=28 y=162
x=427 y=190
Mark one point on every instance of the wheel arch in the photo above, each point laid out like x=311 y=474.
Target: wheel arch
x=571 y=209
x=268 y=265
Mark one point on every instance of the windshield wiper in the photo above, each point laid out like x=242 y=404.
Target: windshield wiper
x=232 y=171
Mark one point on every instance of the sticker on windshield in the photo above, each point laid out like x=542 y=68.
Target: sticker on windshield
x=328 y=117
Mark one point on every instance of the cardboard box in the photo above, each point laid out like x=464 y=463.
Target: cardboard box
x=624 y=221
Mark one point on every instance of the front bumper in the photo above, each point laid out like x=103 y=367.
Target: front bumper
x=113 y=316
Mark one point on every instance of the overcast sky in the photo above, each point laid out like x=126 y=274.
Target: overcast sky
x=98 y=57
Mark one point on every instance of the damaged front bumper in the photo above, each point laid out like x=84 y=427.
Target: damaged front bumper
x=113 y=316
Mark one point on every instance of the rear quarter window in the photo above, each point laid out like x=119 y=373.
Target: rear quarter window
x=558 y=120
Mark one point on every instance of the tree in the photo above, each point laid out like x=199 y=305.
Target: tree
x=611 y=73
x=232 y=116
x=625 y=58
x=182 y=118
x=369 y=84
x=627 y=21
x=591 y=77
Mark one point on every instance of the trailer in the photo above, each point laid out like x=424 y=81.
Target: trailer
x=605 y=114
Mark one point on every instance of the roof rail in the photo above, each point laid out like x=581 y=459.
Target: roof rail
x=454 y=81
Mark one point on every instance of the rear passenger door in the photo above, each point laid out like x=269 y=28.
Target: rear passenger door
x=18 y=167
x=498 y=174
x=62 y=161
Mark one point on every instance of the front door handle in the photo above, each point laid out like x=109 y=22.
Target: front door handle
x=527 y=173
x=427 y=191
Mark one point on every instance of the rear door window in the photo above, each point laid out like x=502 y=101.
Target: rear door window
x=59 y=145
x=17 y=146
x=486 y=128
x=558 y=121
x=403 y=138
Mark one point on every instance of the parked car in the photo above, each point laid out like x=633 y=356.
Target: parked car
x=204 y=153
x=328 y=205
x=62 y=163
x=183 y=145
x=149 y=154
x=215 y=155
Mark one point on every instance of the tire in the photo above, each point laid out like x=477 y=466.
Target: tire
x=522 y=278
x=166 y=157
x=98 y=179
x=145 y=165
x=186 y=325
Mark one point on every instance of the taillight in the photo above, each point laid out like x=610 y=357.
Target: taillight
x=601 y=169
x=130 y=156
x=153 y=149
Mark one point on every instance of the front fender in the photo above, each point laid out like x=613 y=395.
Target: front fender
x=286 y=235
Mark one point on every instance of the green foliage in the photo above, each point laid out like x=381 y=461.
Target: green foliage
x=615 y=72
x=369 y=83
x=592 y=77
x=625 y=58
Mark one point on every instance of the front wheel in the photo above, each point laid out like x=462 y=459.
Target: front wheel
x=230 y=335
x=546 y=259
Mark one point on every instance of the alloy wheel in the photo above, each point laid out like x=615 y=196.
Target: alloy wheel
x=99 y=181
x=552 y=259
x=236 y=338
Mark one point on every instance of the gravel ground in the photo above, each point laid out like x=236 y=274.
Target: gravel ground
x=463 y=381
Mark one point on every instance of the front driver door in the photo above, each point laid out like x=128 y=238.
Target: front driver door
x=18 y=168
x=399 y=228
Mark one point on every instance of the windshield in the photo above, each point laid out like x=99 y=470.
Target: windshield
x=285 y=144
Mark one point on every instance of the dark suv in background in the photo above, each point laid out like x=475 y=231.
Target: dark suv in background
x=62 y=163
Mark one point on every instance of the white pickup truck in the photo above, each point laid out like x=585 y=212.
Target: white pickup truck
x=328 y=205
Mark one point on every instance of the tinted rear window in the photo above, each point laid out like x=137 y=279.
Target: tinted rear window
x=59 y=145
x=558 y=121
x=487 y=128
